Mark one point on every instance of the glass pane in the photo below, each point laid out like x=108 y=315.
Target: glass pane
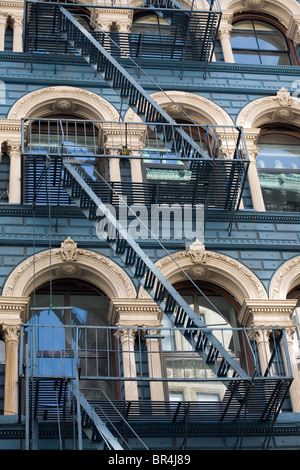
x=258 y=36
x=269 y=37
x=275 y=59
x=246 y=58
x=245 y=41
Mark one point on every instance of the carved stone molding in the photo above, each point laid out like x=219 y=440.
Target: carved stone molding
x=10 y=333
x=13 y=310
x=222 y=270
x=90 y=266
x=285 y=279
x=68 y=250
x=280 y=9
x=283 y=107
x=186 y=104
x=45 y=101
x=197 y=252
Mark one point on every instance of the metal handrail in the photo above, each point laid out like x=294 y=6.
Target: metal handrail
x=121 y=136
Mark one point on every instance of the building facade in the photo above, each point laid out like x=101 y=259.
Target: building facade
x=112 y=116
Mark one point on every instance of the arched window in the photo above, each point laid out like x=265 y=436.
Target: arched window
x=278 y=164
x=68 y=315
x=260 y=40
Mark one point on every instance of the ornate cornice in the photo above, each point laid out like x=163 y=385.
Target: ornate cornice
x=267 y=313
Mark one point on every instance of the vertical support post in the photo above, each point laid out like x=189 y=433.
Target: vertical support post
x=3 y=23
x=154 y=365
x=77 y=391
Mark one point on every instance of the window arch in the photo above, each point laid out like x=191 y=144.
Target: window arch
x=278 y=165
x=260 y=39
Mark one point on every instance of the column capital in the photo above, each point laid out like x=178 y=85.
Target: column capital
x=13 y=148
x=224 y=30
x=267 y=313
x=10 y=332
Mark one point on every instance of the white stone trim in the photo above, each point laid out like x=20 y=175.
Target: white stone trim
x=282 y=107
x=213 y=267
x=183 y=105
x=284 y=11
x=44 y=101
x=285 y=279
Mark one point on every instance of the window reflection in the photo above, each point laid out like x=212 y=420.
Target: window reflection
x=180 y=358
x=278 y=163
x=257 y=42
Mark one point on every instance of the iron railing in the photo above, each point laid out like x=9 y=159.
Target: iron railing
x=191 y=30
x=156 y=143
x=159 y=354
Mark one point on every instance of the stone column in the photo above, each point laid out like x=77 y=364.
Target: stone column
x=261 y=338
x=136 y=170
x=13 y=310
x=224 y=37
x=11 y=334
x=3 y=23
x=145 y=314
x=154 y=365
x=254 y=183
x=14 y=152
x=127 y=337
x=114 y=169
x=18 y=34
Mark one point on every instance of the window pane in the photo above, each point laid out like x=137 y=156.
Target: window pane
x=246 y=58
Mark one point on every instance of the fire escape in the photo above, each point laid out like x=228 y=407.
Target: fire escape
x=215 y=181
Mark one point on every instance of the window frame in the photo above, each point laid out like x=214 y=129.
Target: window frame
x=284 y=129
x=263 y=17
